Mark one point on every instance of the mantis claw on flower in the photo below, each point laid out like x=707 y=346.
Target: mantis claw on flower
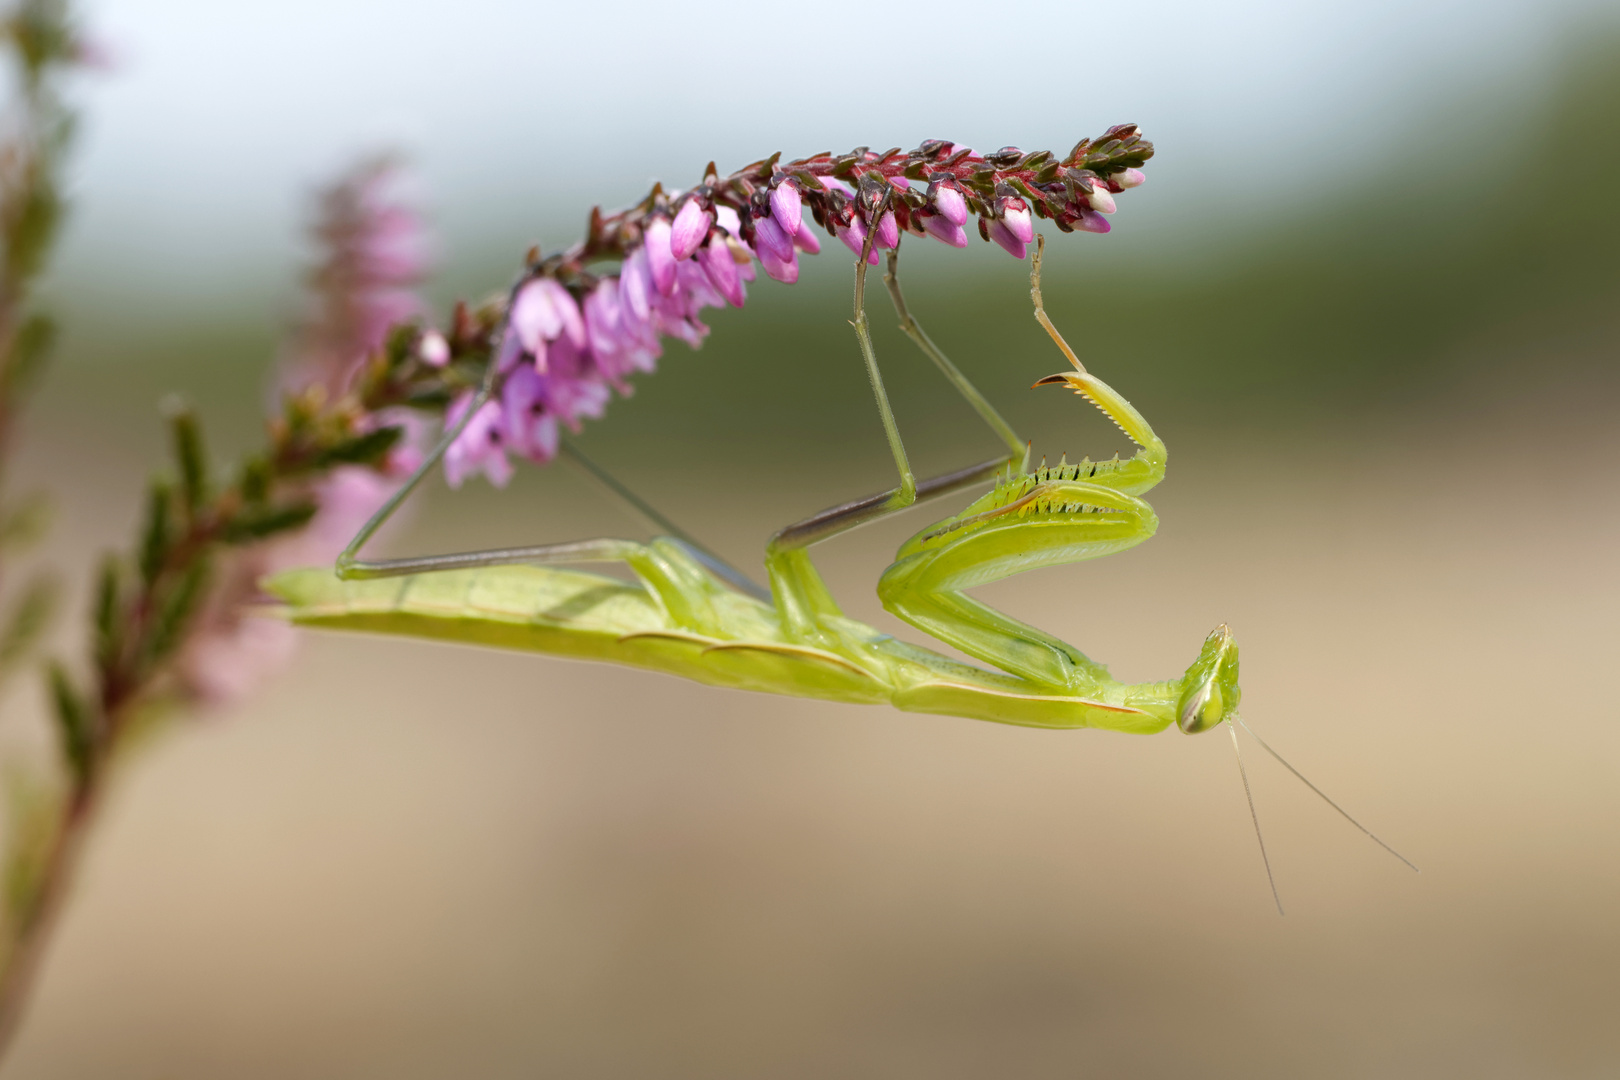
x=693 y=615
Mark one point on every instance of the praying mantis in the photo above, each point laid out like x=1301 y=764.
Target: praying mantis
x=692 y=615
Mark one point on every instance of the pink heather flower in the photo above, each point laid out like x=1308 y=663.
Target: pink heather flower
x=942 y=228
x=530 y=430
x=660 y=256
x=787 y=207
x=481 y=447
x=535 y=317
x=771 y=237
x=900 y=182
x=634 y=283
x=1001 y=234
x=854 y=237
x=374 y=253
x=691 y=226
x=784 y=270
x=888 y=231
x=433 y=350
x=728 y=219
x=952 y=206
x=1092 y=222
x=807 y=241
x=1129 y=178
x=721 y=268
x=1015 y=212
x=1101 y=199
x=832 y=183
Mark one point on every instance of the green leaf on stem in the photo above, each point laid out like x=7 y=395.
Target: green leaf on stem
x=75 y=722
x=263 y=522
x=156 y=537
x=189 y=455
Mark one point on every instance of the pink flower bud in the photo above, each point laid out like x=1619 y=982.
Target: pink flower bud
x=787 y=207
x=1091 y=221
x=832 y=183
x=727 y=219
x=943 y=229
x=1001 y=234
x=660 y=259
x=807 y=241
x=534 y=316
x=1102 y=200
x=769 y=236
x=635 y=283
x=784 y=270
x=888 y=231
x=433 y=350
x=1129 y=178
x=1015 y=212
x=690 y=229
x=568 y=310
x=854 y=237
x=952 y=206
x=717 y=262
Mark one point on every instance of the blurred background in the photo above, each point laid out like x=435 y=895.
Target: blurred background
x=1368 y=297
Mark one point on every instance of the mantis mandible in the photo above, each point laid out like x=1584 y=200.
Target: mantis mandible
x=692 y=615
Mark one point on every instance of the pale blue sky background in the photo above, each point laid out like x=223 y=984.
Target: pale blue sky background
x=201 y=148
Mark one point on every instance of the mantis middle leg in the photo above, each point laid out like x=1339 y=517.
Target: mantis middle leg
x=802 y=598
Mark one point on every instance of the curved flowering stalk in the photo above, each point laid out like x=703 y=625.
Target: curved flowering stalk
x=575 y=331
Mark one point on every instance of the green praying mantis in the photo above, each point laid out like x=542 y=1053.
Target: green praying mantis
x=692 y=615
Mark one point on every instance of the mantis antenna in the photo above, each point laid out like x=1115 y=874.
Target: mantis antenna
x=1247 y=794
x=1284 y=762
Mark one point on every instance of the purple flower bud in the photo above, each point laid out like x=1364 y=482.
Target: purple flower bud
x=888 y=231
x=534 y=316
x=568 y=309
x=1129 y=178
x=900 y=183
x=691 y=227
x=832 y=183
x=854 y=237
x=770 y=237
x=721 y=268
x=783 y=270
x=530 y=430
x=660 y=259
x=1015 y=212
x=604 y=323
x=481 y=446
x=1091 y=221
x=948 y=198
x=807 y=241
x=727 y=219
x=433 y=350
x=1102 y=200
x=787 y=207
x=1001 y=234
x=942 y=228
x=635 y=283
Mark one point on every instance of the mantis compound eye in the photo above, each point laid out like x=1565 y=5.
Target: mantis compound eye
x=1210 y=688
x=1202 y=709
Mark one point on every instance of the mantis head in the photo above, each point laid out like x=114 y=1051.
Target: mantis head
x=1210 y=690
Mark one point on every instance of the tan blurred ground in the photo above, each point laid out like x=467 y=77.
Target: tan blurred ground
x=415 y=861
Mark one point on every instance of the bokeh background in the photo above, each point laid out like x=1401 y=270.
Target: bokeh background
x=1369 y=298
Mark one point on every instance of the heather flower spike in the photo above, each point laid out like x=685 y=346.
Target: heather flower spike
x=591 y=315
